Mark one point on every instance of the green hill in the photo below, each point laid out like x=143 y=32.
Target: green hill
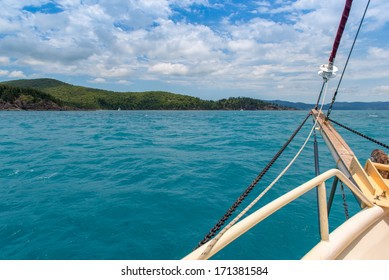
x=18 y=98
x=88 y=98
x=36 y=83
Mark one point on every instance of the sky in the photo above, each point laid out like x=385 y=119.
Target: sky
x=204 y=48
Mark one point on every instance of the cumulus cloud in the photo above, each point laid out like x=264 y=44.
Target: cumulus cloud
x=169 y=69
x=4 y=60
x=378 y=53
x=99 y=81
x=16 y=74
x=4 y=72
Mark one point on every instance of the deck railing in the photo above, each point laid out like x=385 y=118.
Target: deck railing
x=270 y=208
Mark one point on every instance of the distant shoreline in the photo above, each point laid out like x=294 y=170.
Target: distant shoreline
x=156 y=110
x=53 y=95
x=50 y=94
x=170 y=110
x=377 y=105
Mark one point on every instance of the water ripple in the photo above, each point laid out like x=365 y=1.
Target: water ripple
x=133 y=185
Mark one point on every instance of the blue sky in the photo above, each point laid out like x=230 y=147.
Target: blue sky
x=205 y=48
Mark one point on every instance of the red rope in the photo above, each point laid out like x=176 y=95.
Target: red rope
x=342 y=25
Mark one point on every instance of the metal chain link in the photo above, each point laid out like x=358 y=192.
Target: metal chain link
x=236 y=204
x=360 y=134
x=345 y=206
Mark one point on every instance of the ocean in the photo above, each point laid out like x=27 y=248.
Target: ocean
x=148 y=185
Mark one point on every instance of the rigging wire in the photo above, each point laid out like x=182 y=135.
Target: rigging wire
x=348 y=58
x=328 y=71
x=321 y=92
x=236 y=204
x=242 y=213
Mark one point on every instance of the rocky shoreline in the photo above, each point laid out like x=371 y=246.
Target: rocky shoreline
x=19 y=105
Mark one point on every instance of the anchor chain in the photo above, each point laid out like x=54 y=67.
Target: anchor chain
x=242 y=197
x=345 y=206
x=360 y=134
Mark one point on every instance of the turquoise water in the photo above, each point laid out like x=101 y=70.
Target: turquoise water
x=150 y=184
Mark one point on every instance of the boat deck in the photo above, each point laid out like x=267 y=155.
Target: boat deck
x=380 y=191
x=368 y=179
x=364 y=236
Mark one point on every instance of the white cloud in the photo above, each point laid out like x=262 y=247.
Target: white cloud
x=124 y=82
x=4 y=72
x=169 y=69
x=99 y=80
x=135 y=14
x=188 y=3
x=262 y=3
x=377 y=16
x=8 y=26
x=378 y=53
x=242 y=45
x=382 y=91
x=16 y=74
x=4 y=60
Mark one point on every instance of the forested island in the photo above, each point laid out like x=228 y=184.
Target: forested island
x=50 y=94
x=15 y=98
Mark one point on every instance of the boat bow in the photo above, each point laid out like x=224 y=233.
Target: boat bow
x=368 y=179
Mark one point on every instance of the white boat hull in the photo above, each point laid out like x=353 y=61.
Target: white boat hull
x=364 y=236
